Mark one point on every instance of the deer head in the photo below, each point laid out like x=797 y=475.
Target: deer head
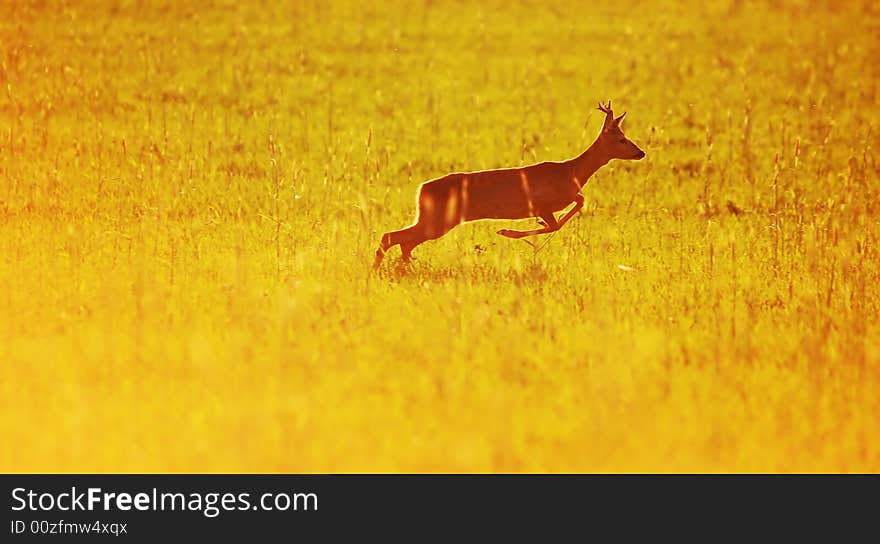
x=612 y=140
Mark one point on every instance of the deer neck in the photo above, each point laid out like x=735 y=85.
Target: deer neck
x=586 y=164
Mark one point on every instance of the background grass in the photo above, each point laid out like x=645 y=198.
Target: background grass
x=191 y=194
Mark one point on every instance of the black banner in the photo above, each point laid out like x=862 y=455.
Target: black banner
x=415 y=507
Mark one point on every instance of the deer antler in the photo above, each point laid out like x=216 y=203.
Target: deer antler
x=609 y=115
x=606 y=109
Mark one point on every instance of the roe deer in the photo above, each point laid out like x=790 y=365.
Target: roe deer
x=537 y=190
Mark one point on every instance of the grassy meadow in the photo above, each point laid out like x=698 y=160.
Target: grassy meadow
x=191 y=194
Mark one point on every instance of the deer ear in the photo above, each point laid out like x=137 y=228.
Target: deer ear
x=619 y=119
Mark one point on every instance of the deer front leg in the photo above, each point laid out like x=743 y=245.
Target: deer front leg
x=549 y=222
x=578 y=204
x=551 y=225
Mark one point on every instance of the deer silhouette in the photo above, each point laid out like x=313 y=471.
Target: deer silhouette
x=537 y=190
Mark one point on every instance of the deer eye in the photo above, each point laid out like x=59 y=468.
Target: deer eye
x=623 y=140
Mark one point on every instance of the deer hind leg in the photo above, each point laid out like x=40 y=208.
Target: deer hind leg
x=428 y=228
x=438 y=214
x=384 y=245
x=406 y=249
x=393 y=238
x=409 y=238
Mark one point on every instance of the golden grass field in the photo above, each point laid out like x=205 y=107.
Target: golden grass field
x=191 y=194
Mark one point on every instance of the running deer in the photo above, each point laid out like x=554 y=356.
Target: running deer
x=537 y=190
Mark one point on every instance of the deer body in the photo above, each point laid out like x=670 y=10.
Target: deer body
x=538 y=190
x=501 y=194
